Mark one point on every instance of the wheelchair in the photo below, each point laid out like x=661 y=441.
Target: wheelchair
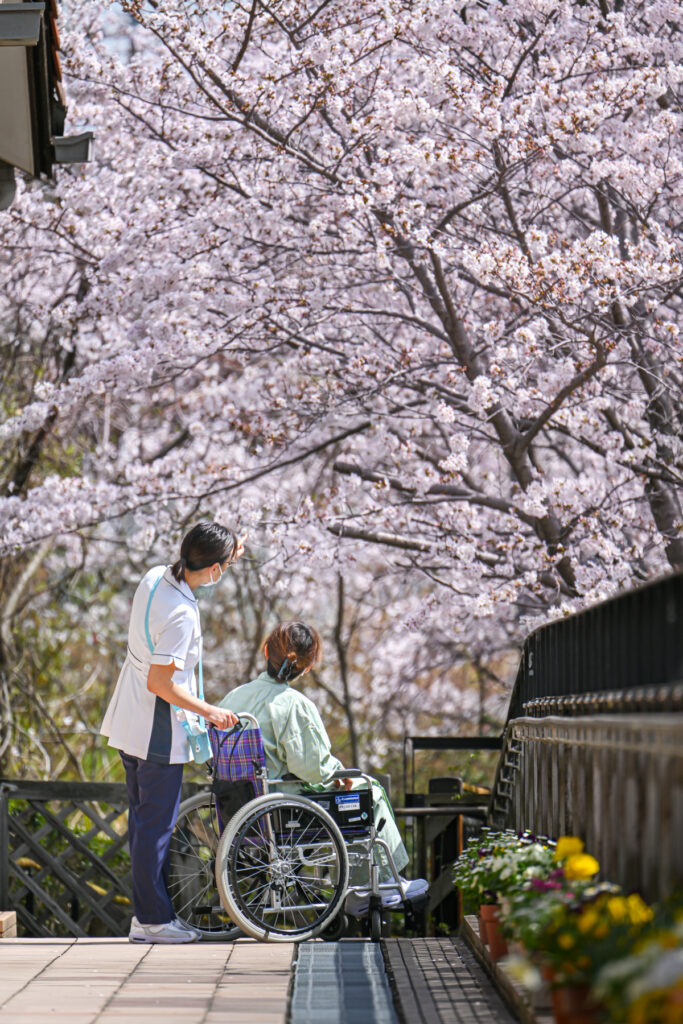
x=247 y=860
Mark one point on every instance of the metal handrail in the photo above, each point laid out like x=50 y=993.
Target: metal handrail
x=630 y=642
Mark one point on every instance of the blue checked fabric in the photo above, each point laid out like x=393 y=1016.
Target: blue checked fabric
x=238 y=755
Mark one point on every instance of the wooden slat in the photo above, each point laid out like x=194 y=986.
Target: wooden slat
x=77 y=843
x=66 y=876
x=72 y=927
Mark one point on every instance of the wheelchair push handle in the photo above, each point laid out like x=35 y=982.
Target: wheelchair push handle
x=236 y=728
x=250 y=718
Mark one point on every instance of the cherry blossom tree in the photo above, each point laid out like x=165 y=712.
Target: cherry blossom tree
x=394 y=286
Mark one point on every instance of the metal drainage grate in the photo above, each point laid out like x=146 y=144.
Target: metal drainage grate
x=341 y=983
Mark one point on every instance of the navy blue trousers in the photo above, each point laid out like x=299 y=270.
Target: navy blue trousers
x=153 y=800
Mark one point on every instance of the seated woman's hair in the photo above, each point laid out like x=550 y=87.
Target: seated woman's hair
x=204 y=545
x=292 y=647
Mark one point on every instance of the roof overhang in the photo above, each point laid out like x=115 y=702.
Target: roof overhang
x=32 y=99
x=20 y=23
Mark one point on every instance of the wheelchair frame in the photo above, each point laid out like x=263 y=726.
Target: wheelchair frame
x=280 y=869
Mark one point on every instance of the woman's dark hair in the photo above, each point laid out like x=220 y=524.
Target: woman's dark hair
x=292 y=647
x=204 y=545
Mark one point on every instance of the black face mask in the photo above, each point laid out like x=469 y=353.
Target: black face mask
x=285 y=673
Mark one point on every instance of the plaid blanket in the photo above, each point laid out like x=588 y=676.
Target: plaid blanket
x=237 y=755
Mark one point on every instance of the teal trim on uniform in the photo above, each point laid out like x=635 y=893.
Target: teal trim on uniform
x=162 y=730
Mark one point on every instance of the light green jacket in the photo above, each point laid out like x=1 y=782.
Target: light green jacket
x=296 y=741
x=294 y=737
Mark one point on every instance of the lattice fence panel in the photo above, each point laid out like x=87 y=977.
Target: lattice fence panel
x=64 y=862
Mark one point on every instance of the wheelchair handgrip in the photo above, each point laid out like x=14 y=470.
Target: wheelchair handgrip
x=349 y=773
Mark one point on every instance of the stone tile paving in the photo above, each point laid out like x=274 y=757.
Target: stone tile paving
x=439 y=981
x=111 y=981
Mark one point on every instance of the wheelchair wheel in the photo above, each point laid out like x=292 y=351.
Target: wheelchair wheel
x=375 y=926
x=282 y=869
x=191 y=874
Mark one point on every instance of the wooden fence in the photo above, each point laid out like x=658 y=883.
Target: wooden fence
x=64 y=864
x=614 y=780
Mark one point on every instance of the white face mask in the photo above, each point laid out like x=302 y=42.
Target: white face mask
x=211 y=581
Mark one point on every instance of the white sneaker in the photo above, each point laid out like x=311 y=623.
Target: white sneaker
x=357 y=903
x=170 y=932
x=187 y=927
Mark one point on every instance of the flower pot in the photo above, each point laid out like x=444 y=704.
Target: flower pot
x=572 y=1004
x=498 y=947
x=482 y=928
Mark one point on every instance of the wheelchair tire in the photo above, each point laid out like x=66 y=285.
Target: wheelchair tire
x=282 y=869
x=375 y=925
x=191 y=881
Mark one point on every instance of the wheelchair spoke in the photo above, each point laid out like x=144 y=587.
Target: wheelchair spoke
x=284 y=868
x=191 y=882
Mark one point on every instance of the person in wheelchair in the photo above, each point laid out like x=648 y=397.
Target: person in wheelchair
x=296 y=743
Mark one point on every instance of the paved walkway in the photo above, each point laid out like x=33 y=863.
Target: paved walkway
x=438 y=981
x=111 y=981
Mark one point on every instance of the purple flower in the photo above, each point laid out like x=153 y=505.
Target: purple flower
x=544 y=884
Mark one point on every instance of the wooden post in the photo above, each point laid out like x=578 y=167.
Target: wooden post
x=4 y=845
x=8 y=924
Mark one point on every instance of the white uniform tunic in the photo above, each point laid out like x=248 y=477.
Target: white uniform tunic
x=137 y=721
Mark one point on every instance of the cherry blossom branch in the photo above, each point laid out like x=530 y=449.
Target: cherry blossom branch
x=247 y=35
x=392 y=540
x=573 y=385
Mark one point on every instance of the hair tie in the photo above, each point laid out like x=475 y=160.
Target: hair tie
x=286 y=669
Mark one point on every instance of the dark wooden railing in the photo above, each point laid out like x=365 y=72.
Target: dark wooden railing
x=64 y=864
x=628 y=644
x=437 y=823
x=614 y=780
x=593 y=744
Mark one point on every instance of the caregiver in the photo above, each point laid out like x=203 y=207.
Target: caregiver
x=154 y=704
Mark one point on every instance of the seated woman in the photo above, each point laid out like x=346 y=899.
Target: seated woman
x=295 y=740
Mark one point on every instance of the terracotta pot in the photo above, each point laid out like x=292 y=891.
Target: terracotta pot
x=490 y=914
x=573 y=1005
x=482 y=928
x=676 y=996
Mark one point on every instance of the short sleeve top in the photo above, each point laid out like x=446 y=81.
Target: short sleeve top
x=137 y=721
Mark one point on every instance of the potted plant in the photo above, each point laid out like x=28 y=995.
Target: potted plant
x=646 y=984
x=579 y=936
x=493 y=866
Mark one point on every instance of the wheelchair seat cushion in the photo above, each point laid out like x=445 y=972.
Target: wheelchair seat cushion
x=238 y=755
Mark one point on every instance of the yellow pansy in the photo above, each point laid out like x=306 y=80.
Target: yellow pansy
x=565 y=940
x=567 y=846
x=617 y=908
x=638 y=910
x=580 y=867
x=588 y=920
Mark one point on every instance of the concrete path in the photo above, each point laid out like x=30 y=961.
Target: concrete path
x=111 y=981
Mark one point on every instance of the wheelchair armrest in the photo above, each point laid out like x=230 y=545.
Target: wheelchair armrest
x=349 y=773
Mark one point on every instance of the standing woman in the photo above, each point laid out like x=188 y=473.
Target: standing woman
x=154 y=702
